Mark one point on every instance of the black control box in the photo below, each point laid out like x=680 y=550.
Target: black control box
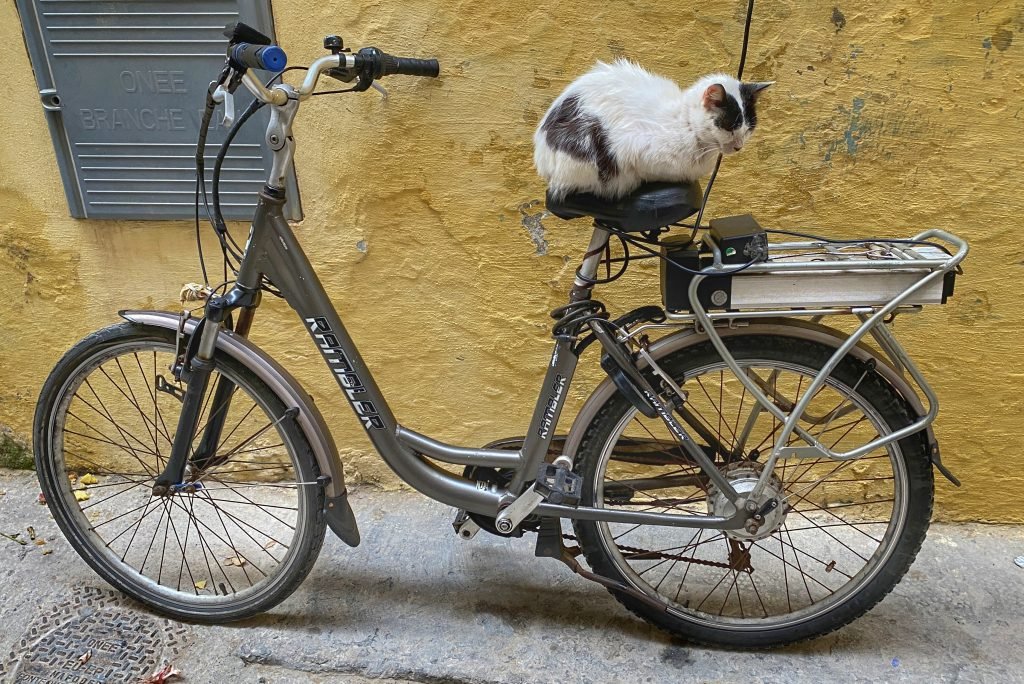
x=682 y=258
x=741 y=239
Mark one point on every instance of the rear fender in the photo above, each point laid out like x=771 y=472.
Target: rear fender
x=284 y=385
x=786 y=327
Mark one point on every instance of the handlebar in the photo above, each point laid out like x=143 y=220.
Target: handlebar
x=249 y=56
x=368 y=64
x=376 y=64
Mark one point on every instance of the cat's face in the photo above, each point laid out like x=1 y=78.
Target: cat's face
x=733 y=114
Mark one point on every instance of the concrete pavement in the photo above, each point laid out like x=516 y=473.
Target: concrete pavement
x=415 y=604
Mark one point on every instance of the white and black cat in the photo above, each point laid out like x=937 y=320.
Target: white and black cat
x=619 y=125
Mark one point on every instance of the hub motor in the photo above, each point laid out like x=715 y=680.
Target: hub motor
x=743 y=476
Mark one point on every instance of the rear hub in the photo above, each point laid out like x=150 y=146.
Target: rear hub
x=766 y=518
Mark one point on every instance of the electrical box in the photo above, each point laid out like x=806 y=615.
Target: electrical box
x=123 y=84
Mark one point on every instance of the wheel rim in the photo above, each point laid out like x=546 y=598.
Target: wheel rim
x=826 y=549
x=235 y=536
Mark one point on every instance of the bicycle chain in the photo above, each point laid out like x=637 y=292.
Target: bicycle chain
x=666 y=556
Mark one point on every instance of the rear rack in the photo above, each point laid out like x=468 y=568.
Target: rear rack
x=870 y=280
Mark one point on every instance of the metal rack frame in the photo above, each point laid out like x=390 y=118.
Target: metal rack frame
x=903 y=258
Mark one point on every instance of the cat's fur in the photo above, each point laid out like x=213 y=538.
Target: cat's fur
x=619 y=125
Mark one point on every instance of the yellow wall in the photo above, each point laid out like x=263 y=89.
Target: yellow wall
x=886 y=117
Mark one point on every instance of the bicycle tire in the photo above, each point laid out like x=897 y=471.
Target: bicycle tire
x=903 y=543
x=204 y=606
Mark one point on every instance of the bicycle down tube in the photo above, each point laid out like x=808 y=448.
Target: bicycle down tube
x=275 y=252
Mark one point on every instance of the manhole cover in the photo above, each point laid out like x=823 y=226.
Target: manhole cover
x=94 y=636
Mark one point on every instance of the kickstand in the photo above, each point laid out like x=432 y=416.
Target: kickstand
x=550 y=545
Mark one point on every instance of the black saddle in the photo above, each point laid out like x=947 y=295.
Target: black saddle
x=650 y=206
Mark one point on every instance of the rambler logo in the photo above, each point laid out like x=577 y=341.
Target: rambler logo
x=343 y=371
x=552 y=407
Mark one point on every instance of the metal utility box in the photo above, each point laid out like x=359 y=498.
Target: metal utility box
x=123 y=84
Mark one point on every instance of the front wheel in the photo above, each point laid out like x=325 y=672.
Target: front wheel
x=235 y=539
x=844 y=534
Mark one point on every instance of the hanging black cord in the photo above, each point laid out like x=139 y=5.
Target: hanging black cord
x=739 y=77
x=218 y=217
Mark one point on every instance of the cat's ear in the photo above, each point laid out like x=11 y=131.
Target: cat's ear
x=756 y=87
x=714 y=96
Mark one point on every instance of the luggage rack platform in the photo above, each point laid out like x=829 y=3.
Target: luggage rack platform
x=871 y=280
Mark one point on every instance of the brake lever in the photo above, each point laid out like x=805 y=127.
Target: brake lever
x=222 y=95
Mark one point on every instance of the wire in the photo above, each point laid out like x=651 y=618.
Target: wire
x=640 y=243
x=819 y=238
x=739 y=77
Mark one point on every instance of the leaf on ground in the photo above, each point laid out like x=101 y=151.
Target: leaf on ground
x=47 y=552
x=236 y=561
x=16 y=537
x=201 y=584
x=270 y=544
x=40 y=542
x=165 y=673
x=41 y=499
x=82 y=495
x=85 y=657
x=31 y=532
x=88 y=479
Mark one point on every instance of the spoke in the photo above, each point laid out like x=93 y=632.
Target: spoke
x=105 y=413
x=130 y=487
x=131 y=400
x=135 y=524
x=152 y=393
x=797 y=549
x=231 y=543
x=156 y=531
x=676 y=457
x=662 y=502
x=839 y=541
x=750 y=576
x=202 y=547
x=184 y=560
x=138 y=526
x=119 y=516
x=721 y=417
x=682 y=582
x=239 y=522
x=713 y=590
x=829 y=511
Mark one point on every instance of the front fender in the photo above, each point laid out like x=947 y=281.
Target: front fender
x=281 y=382
x=786 y=327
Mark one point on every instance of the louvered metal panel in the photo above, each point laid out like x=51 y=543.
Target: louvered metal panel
x=123 y=84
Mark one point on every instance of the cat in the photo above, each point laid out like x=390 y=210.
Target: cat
x=619 y=126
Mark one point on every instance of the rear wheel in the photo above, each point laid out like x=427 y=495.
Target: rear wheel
x=243 y=532
x=843 y=536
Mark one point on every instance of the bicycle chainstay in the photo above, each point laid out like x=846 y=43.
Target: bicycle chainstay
x=742 y=563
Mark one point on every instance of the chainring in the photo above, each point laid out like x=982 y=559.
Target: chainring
x=501 y=478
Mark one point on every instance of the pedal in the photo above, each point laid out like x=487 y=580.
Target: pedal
x=464 y=525
x=558 y=485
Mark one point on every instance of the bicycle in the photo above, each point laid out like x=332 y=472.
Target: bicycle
x=749 y=476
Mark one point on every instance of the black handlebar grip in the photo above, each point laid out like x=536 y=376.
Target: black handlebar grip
x=409 y=66
x=249 y=56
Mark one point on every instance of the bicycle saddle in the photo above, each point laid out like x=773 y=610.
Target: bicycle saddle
x=650 y=206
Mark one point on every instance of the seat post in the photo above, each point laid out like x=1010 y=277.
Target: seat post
x=588 y=269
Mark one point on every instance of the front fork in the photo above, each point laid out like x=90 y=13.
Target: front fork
x=183 y=460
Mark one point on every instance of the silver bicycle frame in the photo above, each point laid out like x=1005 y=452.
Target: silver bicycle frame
x=273 y=251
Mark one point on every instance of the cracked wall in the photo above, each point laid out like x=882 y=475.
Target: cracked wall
x=424 y=216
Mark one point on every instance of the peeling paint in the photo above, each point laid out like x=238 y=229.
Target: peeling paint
x=532 y=223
